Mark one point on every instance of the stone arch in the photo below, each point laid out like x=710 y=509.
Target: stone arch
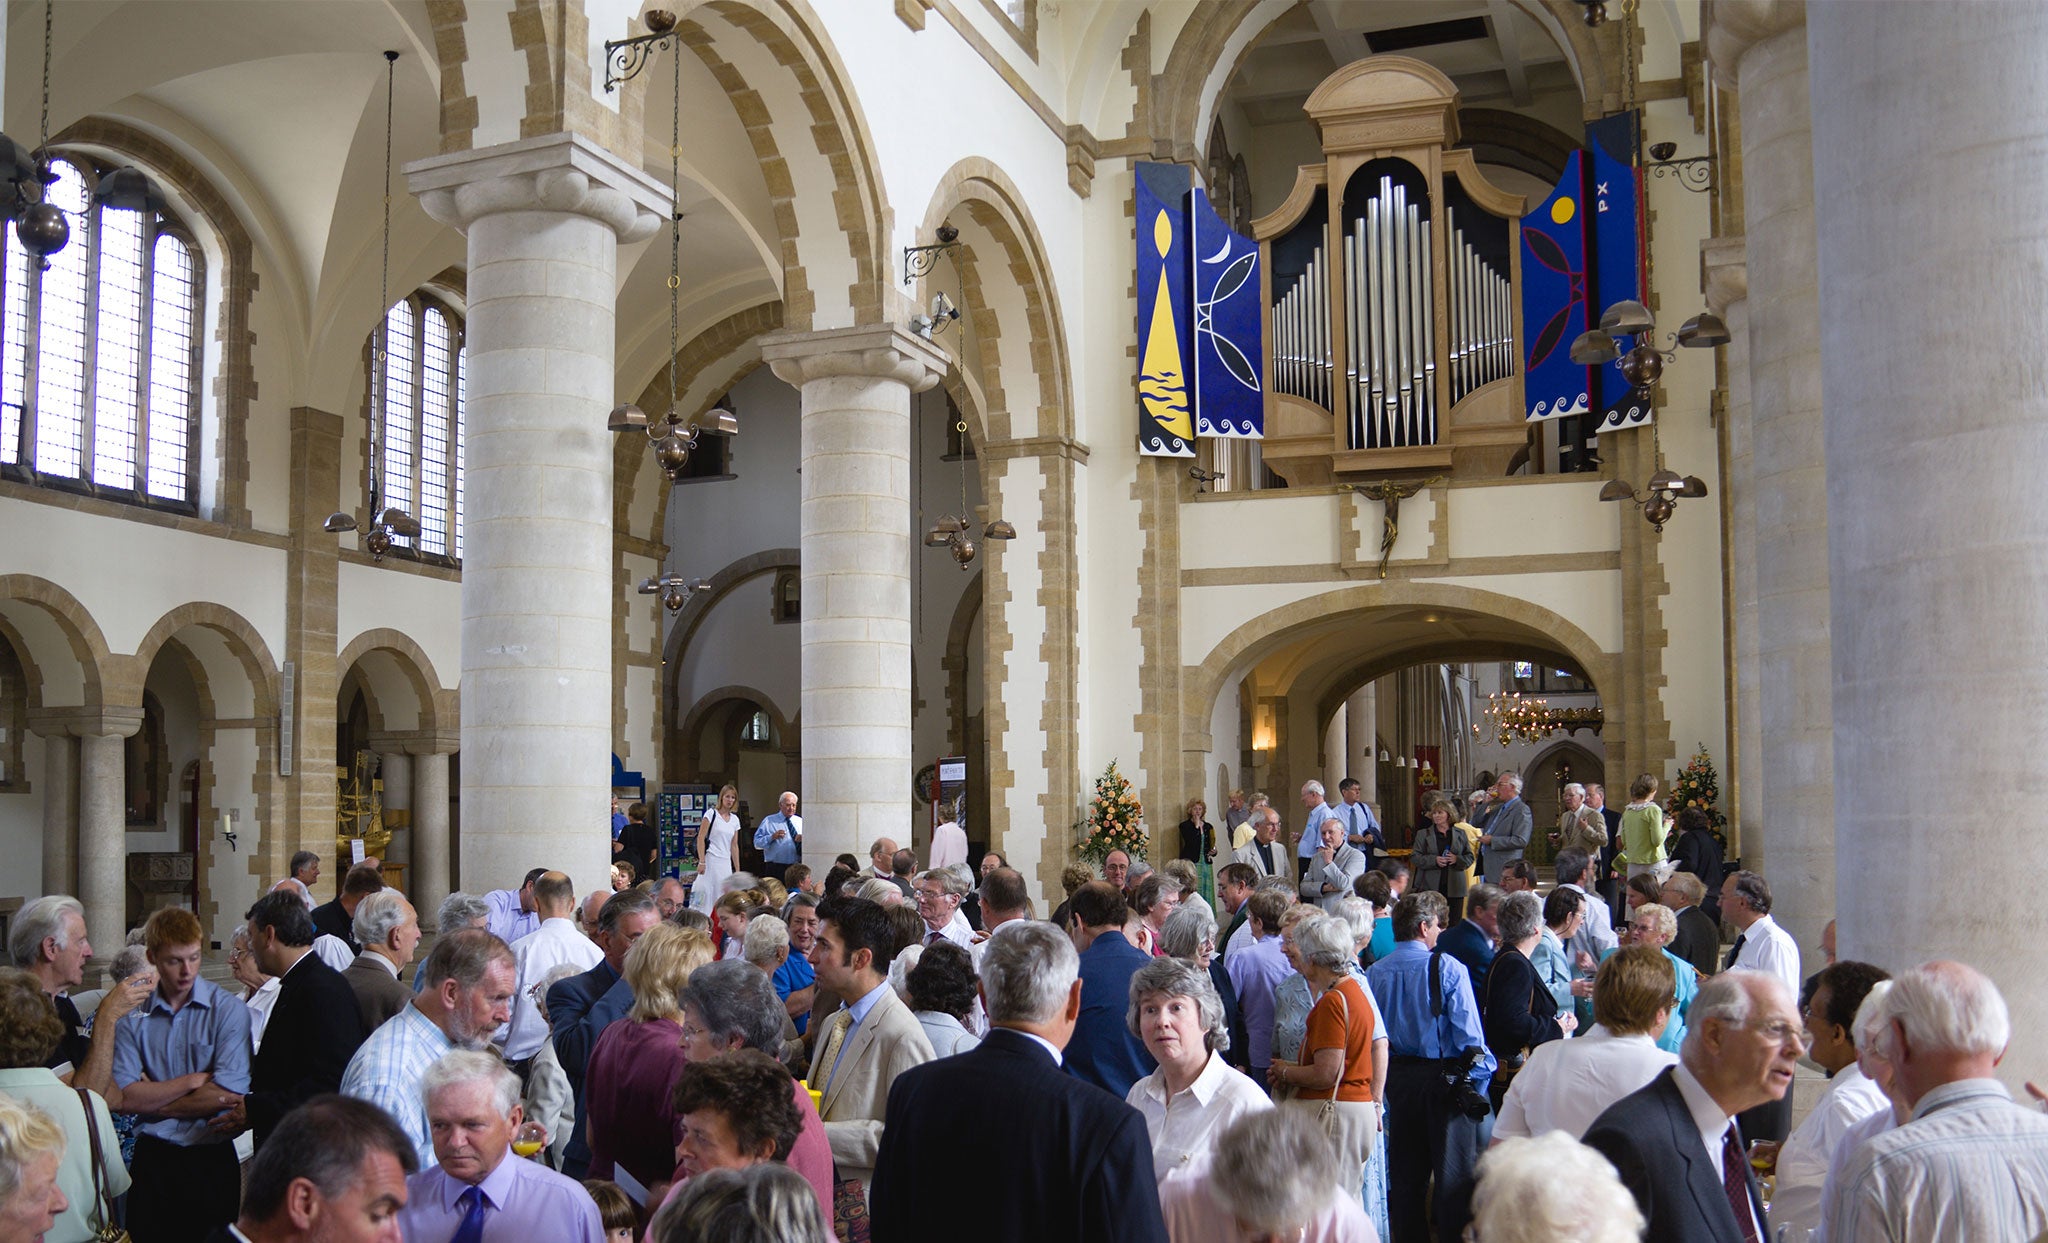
x=692 y=615
x=399 y=680
x=62 y=650
x=688 y=738
x=959 y=633
x=1564 y=749
x=234 y=669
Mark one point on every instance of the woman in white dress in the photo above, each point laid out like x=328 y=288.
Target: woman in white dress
x=714 y=849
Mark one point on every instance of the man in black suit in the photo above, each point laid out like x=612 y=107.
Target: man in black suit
x=313 y=1030
x=582 y=1006
x=1046 y=1156
x=332 y=1162
x=1607 y=885
x=337 y=918
x=1675 y=1143
x=1699 y=938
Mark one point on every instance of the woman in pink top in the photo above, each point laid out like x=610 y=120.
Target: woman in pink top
x=730 y=1006
x=636 y=1061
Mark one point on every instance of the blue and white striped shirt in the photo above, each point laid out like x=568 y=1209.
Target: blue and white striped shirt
x=1971 y=1165
x=388 y=1069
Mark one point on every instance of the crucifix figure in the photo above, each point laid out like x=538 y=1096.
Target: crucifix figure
x=1390 y=495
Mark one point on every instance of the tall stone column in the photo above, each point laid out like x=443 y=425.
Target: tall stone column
x=103 y=832
x=1724 y=262
x=1361 y=715
x=855 y=525
x=429 y=879
x=1761 y=45
x=544 y=218
x=1929 y=128
x=395 y=768
x=60 y=811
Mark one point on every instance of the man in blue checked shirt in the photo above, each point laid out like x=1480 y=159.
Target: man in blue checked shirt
x=1435 y=1128
x=780 y=837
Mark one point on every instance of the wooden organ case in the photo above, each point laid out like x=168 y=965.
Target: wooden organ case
x=1391 y=284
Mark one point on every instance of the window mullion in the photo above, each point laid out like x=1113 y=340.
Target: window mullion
x=89 y=381
x=31 y=368
x=145 y=349
x=419 y=423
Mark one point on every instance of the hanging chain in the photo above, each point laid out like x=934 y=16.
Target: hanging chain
x=49 y=20
x=675 y=227
x=960 y=425
x=381 y=353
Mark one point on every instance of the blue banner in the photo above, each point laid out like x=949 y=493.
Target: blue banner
x=1165 y=423
x=1617 y=276
x=1229 y=325
x=1554 y=301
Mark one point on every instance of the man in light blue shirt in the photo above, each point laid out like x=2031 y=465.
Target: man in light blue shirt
x=1311 y=838
x=780 y=837
x=180 y=1060
x=1361 y=828
x=514 y=912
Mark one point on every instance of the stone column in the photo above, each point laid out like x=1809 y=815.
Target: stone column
x=1761 y=46
x=856 y=385
x=60 y=812
x=544 y=218
x=428 y=881
x=1937 y=435
x=395 y=767
x=103 y=833
x=1723 y=259
x=1361 y=714
x=1336 y=750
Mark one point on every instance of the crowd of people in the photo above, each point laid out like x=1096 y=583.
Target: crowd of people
x=1349 y=1041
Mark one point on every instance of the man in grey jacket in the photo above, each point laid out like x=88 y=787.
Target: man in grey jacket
x=1507 y=829
x=1327 y=874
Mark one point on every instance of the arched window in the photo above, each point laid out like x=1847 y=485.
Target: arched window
x=418 y=402
x=99 y=352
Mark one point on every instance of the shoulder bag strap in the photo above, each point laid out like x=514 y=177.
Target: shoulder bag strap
x=99 y=1174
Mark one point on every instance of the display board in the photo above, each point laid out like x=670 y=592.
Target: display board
x=679 y=807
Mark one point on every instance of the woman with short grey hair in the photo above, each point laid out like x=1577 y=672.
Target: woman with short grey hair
x=1343 y=1063
x=1273 y=1175
x=1519 y=1012
x=1193 y=1095
x=1190 y=935
x=1552 y=1187
x=461 y=910
x=764 y=1203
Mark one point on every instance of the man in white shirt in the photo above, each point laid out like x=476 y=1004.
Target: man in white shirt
x=937 y=893
x=1802 y=1164
x=1972 y=1163
x=1566 y=1084
x=555 y=942
x=1761 y=945
x=1310 y=839
x=1596 y=934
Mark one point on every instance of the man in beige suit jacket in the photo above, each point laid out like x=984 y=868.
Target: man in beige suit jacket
x=863 y=1047
x=1264 y=852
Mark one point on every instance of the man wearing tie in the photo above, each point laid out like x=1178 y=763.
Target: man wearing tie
x=474 y=1194
x=1507 y=829
x=1361 y=828
x=780 y=838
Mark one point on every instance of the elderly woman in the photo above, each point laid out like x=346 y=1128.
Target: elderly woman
x=1519 y=1012
x=29 y=1032
x=1653 y=923
x=762 y=1202
x=1563 y=911
x=1550 y=1188
x=1190 y=935
x=1272 y=1176
x=1193 y=1095
x=737 y=1111
x=1443 y=856
x=1377 y=891
x=32 y=1149
x=730 y=1006
x=1341 y=1064
x=941 y=988
x=1151 y=902
x=259 y=991
x=634 y=1065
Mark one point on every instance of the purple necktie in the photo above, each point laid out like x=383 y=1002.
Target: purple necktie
x=473 y=1208
x=1734 y=1181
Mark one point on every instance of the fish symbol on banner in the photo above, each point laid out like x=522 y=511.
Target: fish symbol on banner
x=1162 y=381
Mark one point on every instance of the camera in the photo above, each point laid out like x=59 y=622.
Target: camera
x=1465 y=1096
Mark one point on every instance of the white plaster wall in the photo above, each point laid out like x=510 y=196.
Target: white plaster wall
x=1278 y=528
x=426 y=610
x=713 y=524
x=228 y=878
x=495 y=73
x=269 y=424
x=1526 y=519
x=737 y=645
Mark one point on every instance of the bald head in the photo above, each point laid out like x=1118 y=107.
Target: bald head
x=586 y=919
x=554 y=896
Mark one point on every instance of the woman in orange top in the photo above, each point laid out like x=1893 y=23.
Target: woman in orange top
x=1340 y=1061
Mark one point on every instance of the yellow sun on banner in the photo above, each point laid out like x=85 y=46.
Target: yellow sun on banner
x=1562 y=211
x=1162 y=382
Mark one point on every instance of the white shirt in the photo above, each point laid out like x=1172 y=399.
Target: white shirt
x=949 y=845
x=555 y=942
x=1596 y=932
x=1803 y=1161
x=1238 y=940
x=260 y=1003
x=1184 y=1127
x=1971 y=1165
x=333 y=951
x=1767 y=947
x=1566 y=1084
x=1714 y=1125
x=1853 y=1139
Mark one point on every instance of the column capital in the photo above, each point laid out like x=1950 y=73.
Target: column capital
x=1731 y=27
x=417 y=742
x=1724 y=272
x=84 y=722
x=883 y=351
x=1037 y=446
x=555 y=172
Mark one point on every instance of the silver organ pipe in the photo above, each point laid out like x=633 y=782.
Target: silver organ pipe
x=1302 y=360
x=1482 y=318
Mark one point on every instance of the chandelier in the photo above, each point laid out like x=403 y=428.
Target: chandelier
x=950 y=532
x=1515 y=717
x=675 y=590
x=1642 y=365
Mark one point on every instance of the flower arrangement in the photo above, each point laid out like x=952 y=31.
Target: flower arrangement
x=1699 y=786
x=1114 y=819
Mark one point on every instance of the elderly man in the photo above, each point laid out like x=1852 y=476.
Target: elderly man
x=1234 y=884
x=1566 y=1084
x=180 y=1059
x=1518 y=877
x=313 y=1030
x=1361 y=828
x=1004 y=899
x=476 y=1191
x=334 y=1169
x=1508 y=827
x=512 y=911
x=1972 y=1163
x=1698 y=939
x=1116 y=869
x=305 y=869
x=1595 y=936
x=1761 y=945
x=881 y=858
x=669 y=897
x=470 y=976
x=780 y=838
x=551 y=945
x=1579 y=827
x=864 y=1046
x=1606 y=883
x=337 y=918
x=938 y=892
x=582 y=1006
x=1066 y=1162
x=796 y=982
x=1264 y=852
x=389 y=930
x=1802 y=1164
x=1327 y=875
x=1675 y=1142
x=332 y=950
x=1310 y=839
x=47 y=940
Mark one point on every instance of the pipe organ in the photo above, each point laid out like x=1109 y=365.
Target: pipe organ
x=1390 y=287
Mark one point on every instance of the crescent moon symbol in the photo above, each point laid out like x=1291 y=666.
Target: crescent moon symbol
x=1221 y=254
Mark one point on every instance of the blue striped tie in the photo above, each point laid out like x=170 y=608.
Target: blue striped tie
x=473 y=1208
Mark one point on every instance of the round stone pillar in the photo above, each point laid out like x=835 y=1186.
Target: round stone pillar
x=394 y=767
x=1761 y=45
x=428 y=883
x=544 y=218
x=60 y=812
x=855 y=526
x=103 y=836
x=1930 y=122
x=1723 y=260
x=1361 y=732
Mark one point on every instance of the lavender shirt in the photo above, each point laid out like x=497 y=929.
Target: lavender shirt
x=528 y=1201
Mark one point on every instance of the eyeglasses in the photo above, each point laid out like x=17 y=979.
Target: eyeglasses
x=931 y=895
x=1778 y=1031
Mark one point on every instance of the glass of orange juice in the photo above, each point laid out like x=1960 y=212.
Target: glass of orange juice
x=529 y=1139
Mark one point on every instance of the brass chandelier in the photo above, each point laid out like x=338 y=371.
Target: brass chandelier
x=1642 y=365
